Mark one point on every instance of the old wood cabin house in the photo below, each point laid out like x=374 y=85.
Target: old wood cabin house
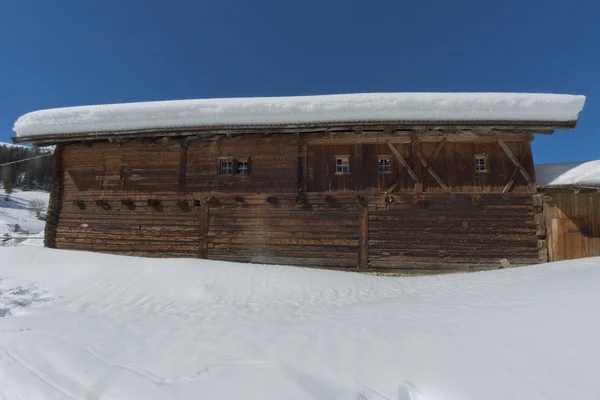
x=411 y=183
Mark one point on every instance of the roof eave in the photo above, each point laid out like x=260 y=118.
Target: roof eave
x=535 y=126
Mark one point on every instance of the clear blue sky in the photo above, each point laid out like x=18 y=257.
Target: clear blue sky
x=66 y=52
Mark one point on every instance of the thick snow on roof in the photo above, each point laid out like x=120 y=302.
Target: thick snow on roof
x=586 y=173
x=302 y=110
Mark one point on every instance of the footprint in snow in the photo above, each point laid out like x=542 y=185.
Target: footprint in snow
x=12 y=299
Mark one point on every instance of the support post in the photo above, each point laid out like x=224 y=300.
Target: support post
x=417 y=163
x=56 y=198
x=363 y=249
x=183 y=155
x=203 y=210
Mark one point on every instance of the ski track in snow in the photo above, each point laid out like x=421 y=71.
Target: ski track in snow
x=123 y=327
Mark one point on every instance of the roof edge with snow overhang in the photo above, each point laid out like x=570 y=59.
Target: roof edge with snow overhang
x=554 y=111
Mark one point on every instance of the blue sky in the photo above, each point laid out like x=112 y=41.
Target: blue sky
x=63 y=53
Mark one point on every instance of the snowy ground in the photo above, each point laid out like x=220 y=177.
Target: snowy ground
x=80 y=325
x=16 y=211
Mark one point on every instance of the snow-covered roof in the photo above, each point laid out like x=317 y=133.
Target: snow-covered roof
x=368 y=107
x=586 y=173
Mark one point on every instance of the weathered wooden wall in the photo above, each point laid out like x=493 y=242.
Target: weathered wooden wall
x=164 y=198
x=573 y=224
x=457 y=232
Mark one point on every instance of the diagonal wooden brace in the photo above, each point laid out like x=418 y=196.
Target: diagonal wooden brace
x=411 y=172
x=431 y=171
x=514 y=160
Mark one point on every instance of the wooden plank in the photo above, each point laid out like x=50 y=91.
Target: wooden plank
x=203 y=219
x=56 y=198
x=415 y=146
x=514 y=160
x=183 y=155
x=363 y=257
x=513 y=177
x=411 y=172
x=431 y=171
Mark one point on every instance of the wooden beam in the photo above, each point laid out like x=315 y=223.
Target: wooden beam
x=415 y=147
x=514 y=160
x=427 y=164
x=436 y=152
x=203 y=211
x=513 y=177
x=183 y=156
x=363 y=250
x=394 y=185
x=403 y=162
x=431 y=171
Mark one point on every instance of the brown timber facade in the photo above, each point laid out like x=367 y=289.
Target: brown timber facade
x=396 y=198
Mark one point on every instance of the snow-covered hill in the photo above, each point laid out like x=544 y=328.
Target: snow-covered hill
x=92 y=326
x=17 y=211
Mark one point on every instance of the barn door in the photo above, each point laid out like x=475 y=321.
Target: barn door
x=567 y=240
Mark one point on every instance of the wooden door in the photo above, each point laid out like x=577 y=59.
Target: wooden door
x=567 y=240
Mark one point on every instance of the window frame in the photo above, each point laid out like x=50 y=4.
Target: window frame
x=247 y=169
x=229 y=169
x=342 y=157
x=486 y=163
x=384 y=157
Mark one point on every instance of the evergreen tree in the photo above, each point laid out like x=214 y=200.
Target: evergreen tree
x=7 y=179
x=27 y=175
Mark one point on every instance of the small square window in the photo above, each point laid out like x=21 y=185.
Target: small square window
x=481 y=163
x=341 y=165
x=383 y=165
x=242 y=168
x=226 y=167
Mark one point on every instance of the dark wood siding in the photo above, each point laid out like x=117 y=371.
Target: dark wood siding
x=573 y=225
x=165 y=198
x=273 y=164
x=321 y=232
x=452 y=232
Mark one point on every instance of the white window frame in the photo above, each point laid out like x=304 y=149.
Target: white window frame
x=481 y=163
x=228 y=169
x=242 y=165
x=384 y=158
x=342 y=168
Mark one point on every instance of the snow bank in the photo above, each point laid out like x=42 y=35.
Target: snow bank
x=17 y=211
x=586 y=173
x=300 y=110
x=94 y=326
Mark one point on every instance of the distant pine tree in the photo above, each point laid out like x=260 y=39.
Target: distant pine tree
x=27 y=175
x=7 y=179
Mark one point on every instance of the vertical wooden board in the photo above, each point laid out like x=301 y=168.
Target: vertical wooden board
x=363 y=251
x=416 y=162
x=568 y=241
x=56 y=198
x=203 y=218
x=183 y=155
x=274 y=164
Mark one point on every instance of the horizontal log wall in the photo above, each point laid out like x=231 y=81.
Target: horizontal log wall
x=321 y=232
x=458 y=232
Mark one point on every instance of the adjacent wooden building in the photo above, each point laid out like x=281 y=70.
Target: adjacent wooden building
x=367 y=194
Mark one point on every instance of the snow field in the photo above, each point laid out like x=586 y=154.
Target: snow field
x=16 y=211
x=113 y=327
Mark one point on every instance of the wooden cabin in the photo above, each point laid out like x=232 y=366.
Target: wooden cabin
x=393 y=182
x=571 y=198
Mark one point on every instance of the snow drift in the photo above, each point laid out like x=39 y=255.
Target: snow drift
x=302 y=109
x=92 y=326
x=586 y=173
